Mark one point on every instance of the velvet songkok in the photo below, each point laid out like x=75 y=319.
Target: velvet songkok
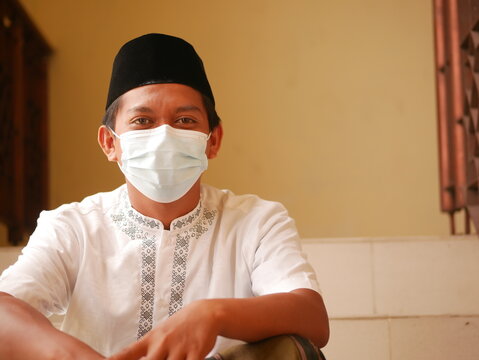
x=157 y=59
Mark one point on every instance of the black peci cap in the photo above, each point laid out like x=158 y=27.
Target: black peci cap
x=157 y=59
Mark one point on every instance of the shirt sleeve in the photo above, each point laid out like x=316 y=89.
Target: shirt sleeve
x=279 y=263
x=43 y=275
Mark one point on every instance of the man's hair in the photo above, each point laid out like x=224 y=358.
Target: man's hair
x=214 y=120
x=109 y=118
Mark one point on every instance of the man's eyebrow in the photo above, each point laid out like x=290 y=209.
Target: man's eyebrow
x=187 y=108
x=140 y=109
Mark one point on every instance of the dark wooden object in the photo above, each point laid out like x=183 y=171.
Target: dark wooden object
x=457 y=77
x=23 y=121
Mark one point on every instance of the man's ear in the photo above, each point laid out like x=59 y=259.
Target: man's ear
x=107 y=143
x=214 y=143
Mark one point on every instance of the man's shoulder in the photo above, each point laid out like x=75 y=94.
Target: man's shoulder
x=226 y=200
x=96 y=204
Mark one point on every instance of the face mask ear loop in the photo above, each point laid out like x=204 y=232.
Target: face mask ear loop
x=209 y=135
x=114 y=133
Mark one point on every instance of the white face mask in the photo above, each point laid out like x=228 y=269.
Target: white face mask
x=163 y=163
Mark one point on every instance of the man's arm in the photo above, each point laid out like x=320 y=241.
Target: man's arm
x=300 y=312
x=27 y=334
x=191 y=333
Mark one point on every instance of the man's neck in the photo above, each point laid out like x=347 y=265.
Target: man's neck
x=164 y=212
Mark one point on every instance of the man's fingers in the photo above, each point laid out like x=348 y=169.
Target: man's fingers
x=195 y=357
x=159 y=353
x=135 y=351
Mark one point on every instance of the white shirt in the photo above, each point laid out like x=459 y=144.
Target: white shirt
x=115 y=273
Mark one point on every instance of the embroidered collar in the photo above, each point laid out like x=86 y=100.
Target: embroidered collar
x=126 y=214
x=188 y=219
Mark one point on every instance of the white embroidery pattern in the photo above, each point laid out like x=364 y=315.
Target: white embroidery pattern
x=148 y=265
x=129 y=222
x=180 y=258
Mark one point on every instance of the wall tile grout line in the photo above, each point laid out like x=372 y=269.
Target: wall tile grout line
x=390 y=345
x=373 y=277
x=390 y=239
x=394 y=317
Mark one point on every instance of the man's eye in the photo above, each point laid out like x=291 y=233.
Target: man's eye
x=141 y=121
x=185 y=120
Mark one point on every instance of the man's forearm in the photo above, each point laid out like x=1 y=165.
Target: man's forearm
x=299 y=312
x=192 y=331
x=26 y=334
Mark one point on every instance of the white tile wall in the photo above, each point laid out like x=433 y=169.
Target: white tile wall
x=8 y=255
x=427 y=277
x=345 y=276
x=410 y=279
x=358 y=340
x=442 y=338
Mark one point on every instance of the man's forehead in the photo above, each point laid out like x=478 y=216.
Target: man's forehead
x=177 y=109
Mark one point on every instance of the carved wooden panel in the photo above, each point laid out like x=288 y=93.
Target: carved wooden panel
x=470 y=72
x=457 y=65
x=23 y=122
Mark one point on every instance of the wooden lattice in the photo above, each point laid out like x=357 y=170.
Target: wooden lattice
x=23 y=121
x=457 y=71
x=470 y=72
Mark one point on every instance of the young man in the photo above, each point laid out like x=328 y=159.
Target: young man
x=163 y=267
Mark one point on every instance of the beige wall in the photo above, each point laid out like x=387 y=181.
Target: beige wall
x=328 y=105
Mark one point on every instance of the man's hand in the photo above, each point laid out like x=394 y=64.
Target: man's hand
x=189 y=334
